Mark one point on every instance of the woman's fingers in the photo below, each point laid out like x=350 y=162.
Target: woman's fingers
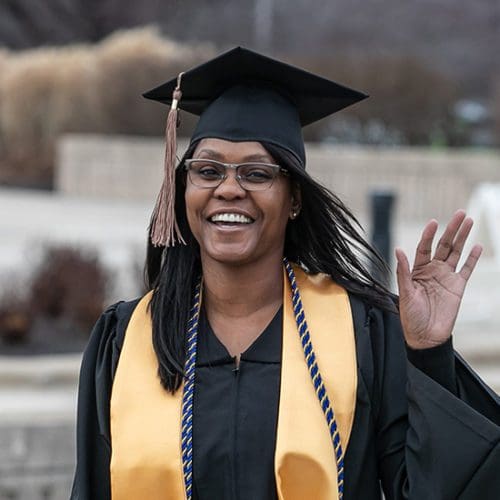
x=445 y=244
x=403 y=273
x=458 y=244
x=449 y=249
x=424 y=248
x=471 y=262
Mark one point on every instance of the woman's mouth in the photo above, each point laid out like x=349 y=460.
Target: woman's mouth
x=230 y=218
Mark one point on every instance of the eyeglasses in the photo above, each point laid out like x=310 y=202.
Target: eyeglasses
x=253 y=176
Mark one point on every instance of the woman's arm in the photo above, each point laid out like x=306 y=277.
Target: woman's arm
x=449 y=444
x=437 y=424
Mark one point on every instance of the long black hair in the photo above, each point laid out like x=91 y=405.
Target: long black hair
x=325 y=237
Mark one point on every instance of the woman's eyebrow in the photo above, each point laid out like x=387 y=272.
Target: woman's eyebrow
x=210 y=153
x=218 y=156
x=258 y=157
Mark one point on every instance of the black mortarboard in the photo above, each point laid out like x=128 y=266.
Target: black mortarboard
x=242 y=96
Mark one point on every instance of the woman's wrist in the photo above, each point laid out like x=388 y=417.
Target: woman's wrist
x=425 y=344
x=436 y=362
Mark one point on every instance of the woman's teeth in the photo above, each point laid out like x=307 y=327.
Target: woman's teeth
x=234 y=218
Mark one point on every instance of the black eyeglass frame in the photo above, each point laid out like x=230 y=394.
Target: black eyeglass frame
x=277 y=169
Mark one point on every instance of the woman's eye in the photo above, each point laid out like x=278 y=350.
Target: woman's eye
x=257 y=175
x=208 y=172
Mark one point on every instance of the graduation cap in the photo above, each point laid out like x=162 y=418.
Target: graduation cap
x=242 y=96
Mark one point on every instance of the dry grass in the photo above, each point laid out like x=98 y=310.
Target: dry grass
x=97 y=88
x=84 y=88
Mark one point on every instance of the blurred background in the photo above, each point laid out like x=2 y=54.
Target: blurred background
x=81 y=157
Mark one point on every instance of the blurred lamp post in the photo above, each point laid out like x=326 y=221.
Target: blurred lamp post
x=381 y=209
x=263 y=23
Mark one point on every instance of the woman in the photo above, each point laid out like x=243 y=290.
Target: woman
x=266 y=362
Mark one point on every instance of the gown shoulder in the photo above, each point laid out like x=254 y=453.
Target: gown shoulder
x=99 y=362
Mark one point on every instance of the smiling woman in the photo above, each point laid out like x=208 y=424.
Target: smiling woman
x=266 y=362
x=231 y=223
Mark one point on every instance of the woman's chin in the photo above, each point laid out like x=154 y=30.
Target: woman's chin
x=231 y=254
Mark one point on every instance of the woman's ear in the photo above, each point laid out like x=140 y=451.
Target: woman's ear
x=296 y=200
x=296 y=196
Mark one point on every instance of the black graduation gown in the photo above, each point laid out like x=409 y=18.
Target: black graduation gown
x=425 y=426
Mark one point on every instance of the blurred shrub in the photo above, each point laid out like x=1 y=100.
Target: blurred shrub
x=69 y=283
x=16 y=317
x=496 y=110
x=55 y=309
x=82 y=88
x=409 y=102
x=54 y=303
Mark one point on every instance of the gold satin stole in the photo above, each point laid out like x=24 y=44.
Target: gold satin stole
x=146 y=459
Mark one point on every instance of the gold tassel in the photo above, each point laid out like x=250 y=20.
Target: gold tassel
x=164 y=229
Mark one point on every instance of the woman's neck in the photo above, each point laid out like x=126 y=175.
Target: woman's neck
x=237 y=291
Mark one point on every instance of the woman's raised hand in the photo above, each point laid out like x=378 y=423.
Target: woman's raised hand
x=430 y=294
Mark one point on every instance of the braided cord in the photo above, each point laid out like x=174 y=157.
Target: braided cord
x=319 y=386
x=187 y=397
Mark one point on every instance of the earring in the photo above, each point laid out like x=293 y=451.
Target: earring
x=294 y=215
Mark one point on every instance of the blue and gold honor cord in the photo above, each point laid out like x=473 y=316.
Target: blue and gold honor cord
x=317 y=381
x=319 y=387
x=187 y=398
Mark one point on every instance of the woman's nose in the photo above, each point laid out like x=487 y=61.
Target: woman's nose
x=229 y=188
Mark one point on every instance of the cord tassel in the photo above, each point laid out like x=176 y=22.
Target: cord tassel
x=164 y=229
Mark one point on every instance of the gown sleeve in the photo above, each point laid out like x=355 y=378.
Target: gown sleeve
x=91 y=480
x=436 y=424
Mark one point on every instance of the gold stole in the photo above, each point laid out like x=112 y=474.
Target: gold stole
x=146 y=420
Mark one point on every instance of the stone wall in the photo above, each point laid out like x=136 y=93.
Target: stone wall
x=428 y=183
x=37 y=426
x=36 y=460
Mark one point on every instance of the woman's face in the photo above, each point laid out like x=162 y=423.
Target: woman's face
x=261 y=232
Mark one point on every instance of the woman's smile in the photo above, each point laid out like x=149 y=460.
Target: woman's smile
x=230 y=222
x=229 y=218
